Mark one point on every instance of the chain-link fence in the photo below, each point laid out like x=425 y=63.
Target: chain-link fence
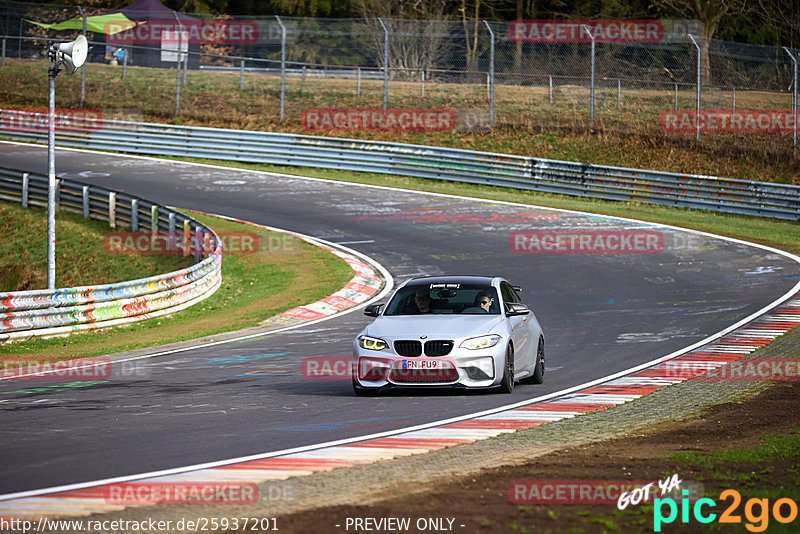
x=487 y=74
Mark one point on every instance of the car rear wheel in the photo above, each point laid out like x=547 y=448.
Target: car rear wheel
x=507 y=384
x=538 y=373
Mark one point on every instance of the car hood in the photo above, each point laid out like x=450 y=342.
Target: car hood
x=433 y=326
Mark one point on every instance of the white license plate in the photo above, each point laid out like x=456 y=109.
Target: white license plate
x=425 y=364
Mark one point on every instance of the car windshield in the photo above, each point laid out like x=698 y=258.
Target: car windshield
x=444 y=298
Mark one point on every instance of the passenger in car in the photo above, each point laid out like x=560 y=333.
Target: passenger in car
x=422 y=298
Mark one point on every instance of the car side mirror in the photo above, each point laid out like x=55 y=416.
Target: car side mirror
x=516 y=308
x=373 y=310
x=517 y=289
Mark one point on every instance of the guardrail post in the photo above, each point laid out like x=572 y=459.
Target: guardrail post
x=794 y=102
x=25 y=181
x=112 y=209
x=187 y=236
x=241 y=75
x=198 y=244
x=490 y=80
x=283 y=65
x=385 y=64
x=135 y=215
x=154 y=218
x=85 y=201
x=171 y=231
x=697 y=111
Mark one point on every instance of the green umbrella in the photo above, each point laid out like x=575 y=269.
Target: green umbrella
x=108 y=24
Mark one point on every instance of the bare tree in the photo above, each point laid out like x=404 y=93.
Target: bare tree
x=418 y=33
x=709 y=13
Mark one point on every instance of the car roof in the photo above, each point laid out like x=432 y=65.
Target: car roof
x=451 y=279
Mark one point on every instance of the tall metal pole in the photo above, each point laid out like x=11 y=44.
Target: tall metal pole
x=83 y=68
x=385 y=65
x=283 y=66
x=51 y=171
x=794 y=102
x=697 y=110
x=491 y=76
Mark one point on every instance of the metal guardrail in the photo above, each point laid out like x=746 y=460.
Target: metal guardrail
x=761 y=199
x=24 y=314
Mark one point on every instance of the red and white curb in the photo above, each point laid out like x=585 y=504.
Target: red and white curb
x=360 y=289
x=305 y=461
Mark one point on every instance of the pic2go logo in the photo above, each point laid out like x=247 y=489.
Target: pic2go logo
x=757 y=511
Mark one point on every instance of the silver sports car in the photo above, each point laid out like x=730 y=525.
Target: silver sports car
x=452 y=331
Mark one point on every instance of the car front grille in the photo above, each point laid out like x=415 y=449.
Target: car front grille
x=411 y=348
x=408 y=347
x=438 y=348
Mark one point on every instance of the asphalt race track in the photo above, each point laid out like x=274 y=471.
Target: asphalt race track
x=601 y=313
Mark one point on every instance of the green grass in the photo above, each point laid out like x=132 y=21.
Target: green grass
x=254 y=288
x=774 y=447
x=526 y=124
x=81 y=258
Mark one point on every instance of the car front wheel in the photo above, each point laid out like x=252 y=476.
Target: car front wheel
x=507 y=383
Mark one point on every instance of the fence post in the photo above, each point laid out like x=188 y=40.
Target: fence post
x=491 y=75
x=697 y=111
x=241 y=75
x=83 y=67
x=125 y=53
x=591 y=80
x=551 y=89
x=794 y=102
x=303 y=82
x=283 y=67
x=422 y=74
x=619 y=93
x=178 y=66
x=4 y=53
x=358 y=83
x=733 y=105
x=385 y=64
x=185 y=63
x=676 y=97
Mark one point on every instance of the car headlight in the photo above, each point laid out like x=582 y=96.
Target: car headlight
x=481 y=342
x=372 y=343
